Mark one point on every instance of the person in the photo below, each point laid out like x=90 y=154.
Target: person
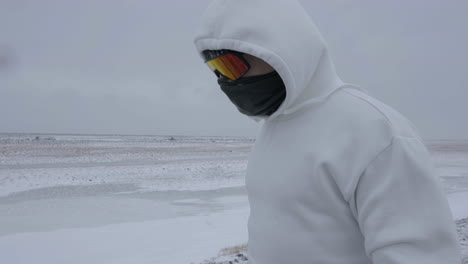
x=335 y=176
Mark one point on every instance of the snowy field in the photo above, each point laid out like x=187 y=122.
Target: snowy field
x=144 y=199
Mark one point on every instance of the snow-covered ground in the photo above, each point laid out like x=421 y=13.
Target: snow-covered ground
x=144 y=199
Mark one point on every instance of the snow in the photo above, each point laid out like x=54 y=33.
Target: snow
x=459 y=204
x=175 y=240
x=153 y=163
x=111 y=224
x=145 y=199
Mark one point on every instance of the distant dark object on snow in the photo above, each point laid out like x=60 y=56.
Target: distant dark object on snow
x=37 y=138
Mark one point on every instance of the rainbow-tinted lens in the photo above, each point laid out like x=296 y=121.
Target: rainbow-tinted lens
x=230 y=65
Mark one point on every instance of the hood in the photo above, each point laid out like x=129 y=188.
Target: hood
x=281 y=33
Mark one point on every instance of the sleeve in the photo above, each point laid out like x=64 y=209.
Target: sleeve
x=402 y=210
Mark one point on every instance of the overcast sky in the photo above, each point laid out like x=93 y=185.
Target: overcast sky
x=130 y=66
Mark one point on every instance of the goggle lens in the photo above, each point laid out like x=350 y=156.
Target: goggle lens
x=229 y=65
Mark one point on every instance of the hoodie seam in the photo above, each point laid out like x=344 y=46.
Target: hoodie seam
x=307 y=105
x=387 y=119
x=355 y=183
x=352 y=187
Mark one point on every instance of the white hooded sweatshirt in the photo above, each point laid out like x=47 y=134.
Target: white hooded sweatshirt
x=335 y=176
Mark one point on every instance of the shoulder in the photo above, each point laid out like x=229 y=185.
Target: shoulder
x=363 y=111
x=367 y=128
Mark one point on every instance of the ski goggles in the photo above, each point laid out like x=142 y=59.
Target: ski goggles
x=228 y=63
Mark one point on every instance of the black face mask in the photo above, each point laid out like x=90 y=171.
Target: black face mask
x=255 y=95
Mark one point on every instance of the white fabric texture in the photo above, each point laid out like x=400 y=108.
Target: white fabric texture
x=335 y=175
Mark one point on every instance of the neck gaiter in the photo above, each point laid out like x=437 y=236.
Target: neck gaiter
x=256 y=95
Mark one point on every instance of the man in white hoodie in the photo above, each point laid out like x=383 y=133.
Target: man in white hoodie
x=335 y=176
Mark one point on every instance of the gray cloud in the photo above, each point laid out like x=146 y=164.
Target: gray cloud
x=130 y=66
